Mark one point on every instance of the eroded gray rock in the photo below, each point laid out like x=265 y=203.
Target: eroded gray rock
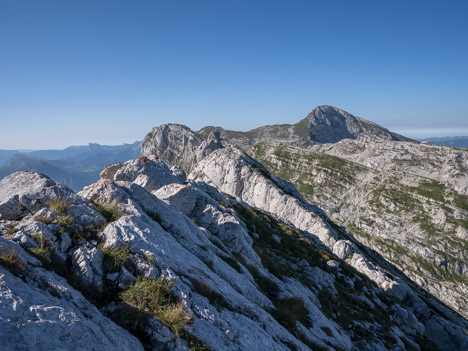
x=87 y=265
x=33 y=319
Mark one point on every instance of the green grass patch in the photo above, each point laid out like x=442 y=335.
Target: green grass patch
x=115 y=258
x=59 y=206
x=154 y=298
x=195 y=344
x=44 y=219
x=11 y=262
x=66 y=222
x=45 y=249
x=11 y=229
x=461 y=201
x=432 y=190
x=111 y=211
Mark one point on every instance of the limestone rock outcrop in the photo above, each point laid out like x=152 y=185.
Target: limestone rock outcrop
x=228 y=257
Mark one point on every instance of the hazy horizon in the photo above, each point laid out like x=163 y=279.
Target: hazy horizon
x=423 y=133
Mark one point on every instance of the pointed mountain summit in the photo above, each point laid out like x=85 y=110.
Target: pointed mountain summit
x=328 y=124
x=325 y=124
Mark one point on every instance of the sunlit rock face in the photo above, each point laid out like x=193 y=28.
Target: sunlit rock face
x=228 y=257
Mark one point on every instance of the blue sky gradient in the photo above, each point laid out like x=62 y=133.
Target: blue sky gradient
x=73 y=72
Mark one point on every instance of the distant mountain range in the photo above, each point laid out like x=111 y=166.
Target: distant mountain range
x=75 y=166
x=78 y=166
x=454 y=141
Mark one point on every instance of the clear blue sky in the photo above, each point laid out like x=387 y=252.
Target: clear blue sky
x=78 y=71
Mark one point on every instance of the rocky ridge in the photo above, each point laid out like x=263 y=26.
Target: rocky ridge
x=229 y=257
x=406 y=200
x=324 y=124
x=208 y=249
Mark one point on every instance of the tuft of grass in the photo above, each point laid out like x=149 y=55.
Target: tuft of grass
x=59 y=206
x=173 y=316
x=155 y=298
x=195 y=344
x=11 y=262
x=65 y=222
x=11 y=230
x=43 y=219
x=45 y=249
x=110 y=210
x=115 y=258
x=215 y=299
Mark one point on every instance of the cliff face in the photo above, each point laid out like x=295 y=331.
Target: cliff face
x=229 y=257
